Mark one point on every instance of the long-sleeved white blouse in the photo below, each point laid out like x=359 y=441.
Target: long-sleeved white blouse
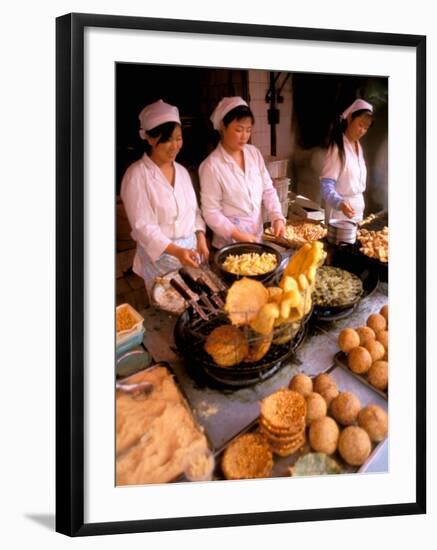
x=158 y=212
x=231 y=197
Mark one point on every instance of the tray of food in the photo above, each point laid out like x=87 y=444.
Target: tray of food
x=157 y=436
x=364 y=351
x=129 y=328
x=298 y=232
x=373 y=236
x=327 y=424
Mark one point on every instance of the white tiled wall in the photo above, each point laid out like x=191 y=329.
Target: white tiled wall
x=259 y=82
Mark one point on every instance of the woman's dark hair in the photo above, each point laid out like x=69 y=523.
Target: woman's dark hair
x=237 y=113
x=163 y=132
x=339 y=129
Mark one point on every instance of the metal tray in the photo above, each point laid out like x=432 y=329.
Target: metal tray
x=282 y=465
x=184 y=399
x=340 y=359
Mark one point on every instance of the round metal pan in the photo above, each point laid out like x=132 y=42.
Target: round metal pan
x=369 y=278
x=246 y=248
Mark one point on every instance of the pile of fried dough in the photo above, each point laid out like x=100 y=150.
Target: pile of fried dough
x=374 y=243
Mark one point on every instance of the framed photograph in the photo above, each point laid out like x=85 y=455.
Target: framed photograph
x=297 y=83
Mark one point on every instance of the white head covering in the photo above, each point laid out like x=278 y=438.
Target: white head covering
x=357 y=105
x=155 y=114
x=223 y=107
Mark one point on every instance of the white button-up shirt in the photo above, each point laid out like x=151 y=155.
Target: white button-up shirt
x=232 y=197
x=158 y=213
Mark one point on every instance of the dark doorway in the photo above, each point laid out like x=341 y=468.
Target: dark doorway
x=195 y=91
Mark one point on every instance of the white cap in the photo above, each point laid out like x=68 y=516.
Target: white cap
x=357 y=105
x=224 y=106
x=155 y=114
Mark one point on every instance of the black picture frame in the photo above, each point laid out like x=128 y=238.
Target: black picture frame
x=70 y=272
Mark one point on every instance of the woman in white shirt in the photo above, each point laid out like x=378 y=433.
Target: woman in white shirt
x=160 y=201
x=344 y=173
x=234 y=180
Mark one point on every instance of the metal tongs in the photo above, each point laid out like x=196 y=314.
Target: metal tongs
x=134 y=389
x=198 y=286
x=204 y=279
x=184 y=292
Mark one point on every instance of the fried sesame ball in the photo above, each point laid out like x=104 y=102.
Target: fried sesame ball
x=345 y=408
x=316 y=407
x=382 y=337
x=365 y=334
x=359 y=360
x=326 y=386
x=374 y=420
x=348 y=339
x=378 y=375
x=301 y=383
x=323 y=435
x=354 y=445
x=384 y=312
x=376 y=322
x=376 y=350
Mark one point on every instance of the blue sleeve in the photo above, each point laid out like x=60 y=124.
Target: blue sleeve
x=329 y=194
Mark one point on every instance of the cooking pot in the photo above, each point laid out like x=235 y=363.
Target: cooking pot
x=342 y=231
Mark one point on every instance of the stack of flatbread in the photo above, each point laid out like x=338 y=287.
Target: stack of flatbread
x=282 y=421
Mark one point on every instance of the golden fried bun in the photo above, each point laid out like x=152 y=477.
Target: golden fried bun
x=376 y=349
x=345 y=408
x=382 y=337
x=325 y=385
x=301 y=383
x=258 y=348
x=374 y=420
x=316 y=407
x=359 y=360
x=384 y=312
x=227 y=345
x=365 y=334
x=376 y=322
x=354 y=445
x=323 y=435
x=348 y=339
x=378 y=375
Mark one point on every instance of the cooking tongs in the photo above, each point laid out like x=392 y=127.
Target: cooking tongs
x=199 y=289
x=203 y=279
x=186 y=294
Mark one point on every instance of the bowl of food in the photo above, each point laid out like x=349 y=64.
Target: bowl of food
x=254 y=260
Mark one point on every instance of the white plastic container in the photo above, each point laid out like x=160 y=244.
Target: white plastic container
x=277 y=167
x=124 y=335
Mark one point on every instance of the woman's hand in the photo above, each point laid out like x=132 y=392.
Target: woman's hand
x=278 y=227
x=347 y=209
x=186 y=256
x=202 y=247
x=241 y=236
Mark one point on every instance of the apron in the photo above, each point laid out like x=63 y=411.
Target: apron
x=357 y=203
x=164 y=264
x=246 y=224
x=351 y=184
